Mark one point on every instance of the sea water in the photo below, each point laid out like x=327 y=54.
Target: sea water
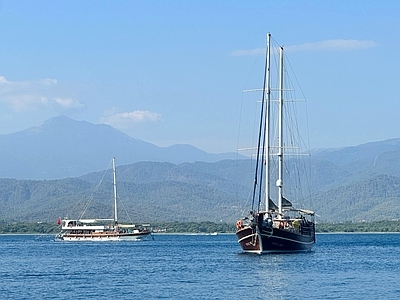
x=341 y=266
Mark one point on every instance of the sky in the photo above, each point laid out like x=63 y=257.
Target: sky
x=173 y=72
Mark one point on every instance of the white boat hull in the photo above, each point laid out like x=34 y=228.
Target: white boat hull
x=102 y=237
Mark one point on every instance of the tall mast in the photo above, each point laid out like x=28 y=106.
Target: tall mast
x=115 y=192
x=267 y=118
x=279 y=182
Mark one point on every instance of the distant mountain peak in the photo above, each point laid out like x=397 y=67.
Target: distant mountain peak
x=61 y=119
x=63 y=147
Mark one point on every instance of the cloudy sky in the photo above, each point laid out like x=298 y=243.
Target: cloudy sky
x=171 y=72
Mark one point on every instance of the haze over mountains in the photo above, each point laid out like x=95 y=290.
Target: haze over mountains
x=62 y=147
x=177 y=183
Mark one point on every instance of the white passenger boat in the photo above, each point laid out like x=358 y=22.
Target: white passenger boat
x=102 y=229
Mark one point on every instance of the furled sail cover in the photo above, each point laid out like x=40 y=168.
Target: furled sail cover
x=272 y=205
x=286 y=202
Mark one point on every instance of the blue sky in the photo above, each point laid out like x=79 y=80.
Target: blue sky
x=171 y=72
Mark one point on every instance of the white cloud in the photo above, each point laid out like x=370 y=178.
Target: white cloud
x=250 y=52
x=24 y=101
x=68 y=103
x=334 y=45
x=126 y=119
x=3 y=80
x=35 y=95
x=48 y=81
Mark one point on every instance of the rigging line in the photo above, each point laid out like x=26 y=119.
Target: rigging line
x=95 y=188
x=240 y=121
x=304 y=97
x=237 y=150
x=265 y=142
x=126 y=211
x=239 y=129
x=260 y=134
x=306 y=142
x=262 y=165
x=75 y=206
x=243 y=209
x=241 y=104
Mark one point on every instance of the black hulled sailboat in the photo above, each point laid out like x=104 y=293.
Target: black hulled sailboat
x=275 y=226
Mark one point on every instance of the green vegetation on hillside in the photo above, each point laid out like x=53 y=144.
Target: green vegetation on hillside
x=28 y=228
x=193 y=227
x=373 y=199
x=147 y=192
x=377 y=226
x=152 y=192
x=206 y=227
x=172 y=227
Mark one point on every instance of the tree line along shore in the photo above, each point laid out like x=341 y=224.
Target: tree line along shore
x=206 y=227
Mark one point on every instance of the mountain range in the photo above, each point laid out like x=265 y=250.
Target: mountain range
x=57 y=168
x=62 y=147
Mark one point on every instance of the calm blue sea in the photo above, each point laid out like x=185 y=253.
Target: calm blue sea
x=342 y=266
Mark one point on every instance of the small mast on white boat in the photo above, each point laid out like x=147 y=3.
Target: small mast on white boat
x=115 y=195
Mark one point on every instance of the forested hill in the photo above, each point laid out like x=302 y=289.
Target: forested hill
x=177 y=183
x=340 y=167
x=157 y=192
x=373 y=199
x=147 y=191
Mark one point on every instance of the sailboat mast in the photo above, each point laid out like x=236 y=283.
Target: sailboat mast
x=279 y=182
x=267 y=118
x=115 y=191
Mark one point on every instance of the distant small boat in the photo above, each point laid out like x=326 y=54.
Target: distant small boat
x=271 y=228
x=102 y=229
